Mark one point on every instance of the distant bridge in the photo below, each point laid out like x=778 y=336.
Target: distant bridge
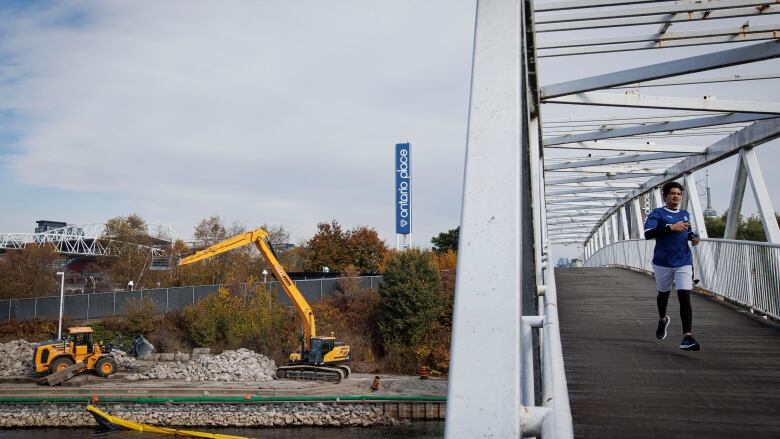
x=87 y=240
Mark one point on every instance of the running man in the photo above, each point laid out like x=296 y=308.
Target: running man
x=672 y=261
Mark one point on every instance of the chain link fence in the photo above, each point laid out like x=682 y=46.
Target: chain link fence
x=112 y=304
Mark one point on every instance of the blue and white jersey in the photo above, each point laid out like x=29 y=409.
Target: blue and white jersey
x=671 y=250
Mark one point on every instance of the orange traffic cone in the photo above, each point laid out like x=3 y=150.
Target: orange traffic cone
x=424 y=372
x=375 y=384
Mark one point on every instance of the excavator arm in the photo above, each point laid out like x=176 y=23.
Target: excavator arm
x=259 y=238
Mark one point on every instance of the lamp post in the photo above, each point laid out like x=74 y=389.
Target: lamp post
x=62 y=301
x=265 y=275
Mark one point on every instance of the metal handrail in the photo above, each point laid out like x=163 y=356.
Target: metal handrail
x=744 y=272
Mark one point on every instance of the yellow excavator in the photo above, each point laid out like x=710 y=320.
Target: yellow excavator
x=321 y=358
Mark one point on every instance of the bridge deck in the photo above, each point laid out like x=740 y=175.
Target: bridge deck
x=624 y=383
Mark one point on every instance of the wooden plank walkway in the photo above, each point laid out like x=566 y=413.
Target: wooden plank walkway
x=624 y=383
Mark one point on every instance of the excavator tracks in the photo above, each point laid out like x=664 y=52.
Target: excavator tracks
x=332 y=374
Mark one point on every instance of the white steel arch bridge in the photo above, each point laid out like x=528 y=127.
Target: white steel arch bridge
x=86 y=240
x=579 y=112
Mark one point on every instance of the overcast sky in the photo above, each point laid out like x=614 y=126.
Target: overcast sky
x=283 y=113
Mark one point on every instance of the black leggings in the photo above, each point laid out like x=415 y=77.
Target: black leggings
x=686 y=312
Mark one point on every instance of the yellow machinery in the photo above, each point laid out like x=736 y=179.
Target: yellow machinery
x=321 y=358
x=57 y=355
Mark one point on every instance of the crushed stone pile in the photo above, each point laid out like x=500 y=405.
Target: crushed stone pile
x=16 y=358
x=123 y=360
x=240 y=365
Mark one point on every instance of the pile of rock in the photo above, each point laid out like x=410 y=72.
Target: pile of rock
x=16 y=358
x=240 y=365
x=123 y=360
x=195 y=415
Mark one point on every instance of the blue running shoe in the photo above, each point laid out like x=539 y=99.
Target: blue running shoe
x=688 y=343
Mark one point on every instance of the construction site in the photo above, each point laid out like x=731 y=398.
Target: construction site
x=144 y=388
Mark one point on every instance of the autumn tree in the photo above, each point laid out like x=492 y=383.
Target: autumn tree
x=129 y=237
x=328 y=248
x=210 y=231
x=446 y=241
x=29 y=272
x=366 y=249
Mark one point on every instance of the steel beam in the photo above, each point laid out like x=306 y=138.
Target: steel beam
x=626 y=147
x=662 y=43
x=763 y=200
x=636 y=100
x=618 y=168
x=624 y=223
x=580 y=208
x=614 y=225
x=684 y=7
x=658 y=197
x=737 y=195
x=595 y=185
x=662 y=39
x=706 y=80
x=606 y=177
x=581 y=4
x=615 y=160
x=725 y=58
x=660 y=127
x=568 y=200
x=586 y=190
x=490 y=224
x=695 y=205
x=760 y=132
x=636 y=217
x=708 y=15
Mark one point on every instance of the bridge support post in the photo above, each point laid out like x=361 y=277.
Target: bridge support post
x=658 y=198
x=763 y=201
x=737 y=195
x=636 y=217
x=490 y=225
x=614 y=225
x=695 y=205
x=624 y=223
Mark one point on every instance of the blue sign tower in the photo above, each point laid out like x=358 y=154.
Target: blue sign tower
x=403 y=195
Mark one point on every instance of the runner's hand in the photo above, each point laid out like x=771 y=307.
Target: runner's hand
x=679 y=226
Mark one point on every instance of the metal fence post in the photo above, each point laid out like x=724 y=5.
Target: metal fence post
x=166 y=300
x=114 y=303
x=321 y=281
x=193 y=295
x=35 y=313
x=88 y=308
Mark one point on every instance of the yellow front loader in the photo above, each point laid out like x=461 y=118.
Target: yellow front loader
x=320 y=358
x=57 y=355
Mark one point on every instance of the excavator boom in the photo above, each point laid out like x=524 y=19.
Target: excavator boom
x=259 y=238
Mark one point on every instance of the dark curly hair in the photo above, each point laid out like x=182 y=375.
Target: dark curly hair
x=669 y=186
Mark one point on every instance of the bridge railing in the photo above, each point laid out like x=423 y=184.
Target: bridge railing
x=744 y=272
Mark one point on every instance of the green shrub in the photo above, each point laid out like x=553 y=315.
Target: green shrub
x=409 y=301
x=140 y=315
x=229 y=321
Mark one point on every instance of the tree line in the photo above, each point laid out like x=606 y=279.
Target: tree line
x=31 y=272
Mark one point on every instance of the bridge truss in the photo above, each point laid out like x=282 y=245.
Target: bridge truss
x=87 y=240
x=637 y=110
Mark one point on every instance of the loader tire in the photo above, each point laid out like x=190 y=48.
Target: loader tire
x=60 y=363
x=105 y=366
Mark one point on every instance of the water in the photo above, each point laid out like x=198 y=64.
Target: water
x=416 y=430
